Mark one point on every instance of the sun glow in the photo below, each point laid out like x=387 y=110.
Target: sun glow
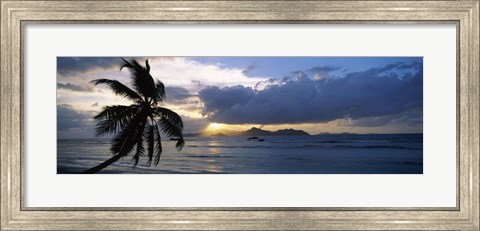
x=215 y=126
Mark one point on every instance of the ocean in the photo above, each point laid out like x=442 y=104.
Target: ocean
x=320 y=154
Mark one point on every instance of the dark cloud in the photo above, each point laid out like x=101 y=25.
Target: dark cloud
x=70 y=119
x=399 y=69
x=299 y=75
x=192 y=125
x=74 y=87
x=248 y=69
x=412 y=65
x=323 y=72
x=285 y=79
x=407 y=118
x=224 y=100
x=266 y=82
x=177 y=94
x=69 y=66
x=372 y=93
x=324 y=69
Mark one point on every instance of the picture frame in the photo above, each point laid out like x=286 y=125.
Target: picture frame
x=15 y=14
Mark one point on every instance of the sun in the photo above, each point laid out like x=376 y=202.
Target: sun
x=215 y=126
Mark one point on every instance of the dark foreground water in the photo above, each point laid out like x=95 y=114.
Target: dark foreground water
x=323 y=154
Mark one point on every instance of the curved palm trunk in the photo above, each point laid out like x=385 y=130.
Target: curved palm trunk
x=102 y=165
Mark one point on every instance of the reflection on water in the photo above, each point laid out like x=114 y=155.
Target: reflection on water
x=277 y=155
x=214 y=151
x=214 y=169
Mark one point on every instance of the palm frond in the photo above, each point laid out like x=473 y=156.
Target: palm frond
x=127 y=138
x=150 y=136
x=113 y=118
x=140 y=149
x=170 y=115
x=180 y=143
x=119 y=88
x=142 y=81
x=159 y=92
x=147 y=66
x=158 y=145
x=171 y=124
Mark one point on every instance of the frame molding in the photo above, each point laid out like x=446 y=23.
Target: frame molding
x=14 y=14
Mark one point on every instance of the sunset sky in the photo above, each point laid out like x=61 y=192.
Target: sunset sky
x=314 y=94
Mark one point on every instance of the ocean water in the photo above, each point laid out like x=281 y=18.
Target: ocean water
x=322 y=154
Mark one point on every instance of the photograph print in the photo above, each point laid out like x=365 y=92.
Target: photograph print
x=239 y=115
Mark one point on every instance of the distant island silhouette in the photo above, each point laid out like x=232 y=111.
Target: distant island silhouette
x=253 y=132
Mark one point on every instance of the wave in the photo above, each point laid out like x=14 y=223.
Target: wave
x=306 y=146
x=204 y=156
x=352 y=141
x=379 y=146
x=346 y=141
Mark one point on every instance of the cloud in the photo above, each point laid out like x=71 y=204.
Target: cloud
x=248 y=69
x=193 y=76
x=323 y=72
x=192 y=125
x=220 y=100
x=375 y=92
x=74 y=87
x=70 y=66
x=177 y=94
x=412 y=65
x=406 y=118
x=95 y=104
x=263 y=84
x=70 y=119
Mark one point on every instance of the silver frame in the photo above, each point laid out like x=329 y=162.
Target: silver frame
x=16 y=14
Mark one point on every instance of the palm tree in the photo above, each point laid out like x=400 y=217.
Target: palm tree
x=139 y=123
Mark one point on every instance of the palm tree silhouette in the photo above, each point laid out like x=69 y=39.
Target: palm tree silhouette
x=140 y=122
